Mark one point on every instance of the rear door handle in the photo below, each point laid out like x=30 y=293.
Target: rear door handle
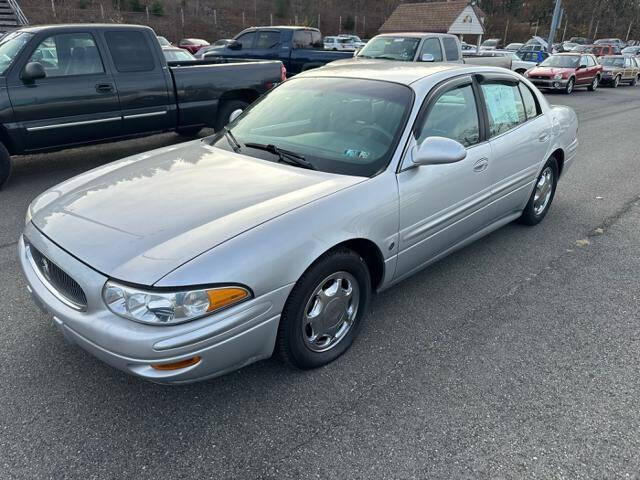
x=481 y=165
x=104 y=87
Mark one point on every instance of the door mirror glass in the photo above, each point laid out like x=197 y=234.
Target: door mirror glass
x=438 y=151
x=581 y=66
x=33 y=71
x=235 y=114
x=235 y=45
x=427 y=57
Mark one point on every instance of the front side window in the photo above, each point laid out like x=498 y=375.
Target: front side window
x=68 y=54
x=267 y=39
x=431 y=46
x=246 y=39
x=454 y=115
x=450 y=48
x=504 y=107
x=339 y=125
x=130 y=51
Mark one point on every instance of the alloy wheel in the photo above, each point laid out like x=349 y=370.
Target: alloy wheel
x=544 y=189
x=330 y=311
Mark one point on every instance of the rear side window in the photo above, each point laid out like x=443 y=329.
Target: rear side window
x=267 y=39
x=130 y=51
x=454 y=115
x=302 y=39
x=530 y=105
x=450 y=48
x=504 y=106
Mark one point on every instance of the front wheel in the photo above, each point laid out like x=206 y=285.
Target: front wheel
x=323 y=312
x=570 y=84
x=616 y=82
x=542 y=195
x=594 y=84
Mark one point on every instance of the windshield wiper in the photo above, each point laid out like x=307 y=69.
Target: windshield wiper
x=235 y=144
x=284 y=156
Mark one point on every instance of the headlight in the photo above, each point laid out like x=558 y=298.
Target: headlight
x=169 y=308
x=557 y=76
x=27 y=216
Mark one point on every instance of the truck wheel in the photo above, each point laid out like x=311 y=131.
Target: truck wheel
x=225 y=111
x=188 y=132
x=5 y=165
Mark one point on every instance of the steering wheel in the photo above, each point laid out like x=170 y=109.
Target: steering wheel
x=375 y=129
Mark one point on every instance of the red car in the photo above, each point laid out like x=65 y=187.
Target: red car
x=192 y=44
x=566 y=71
x=602 y=50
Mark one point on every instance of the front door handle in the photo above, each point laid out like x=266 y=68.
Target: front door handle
x=104 y=87
x=544 y=137
x=481 y=165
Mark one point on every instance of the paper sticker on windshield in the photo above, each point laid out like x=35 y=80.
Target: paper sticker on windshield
x=353 y=153
x=398 y=39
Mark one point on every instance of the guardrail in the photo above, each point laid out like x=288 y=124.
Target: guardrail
x=22 y=19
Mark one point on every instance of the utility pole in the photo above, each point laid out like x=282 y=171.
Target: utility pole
x=628 y=32
x=557 y=15
x=506 y=29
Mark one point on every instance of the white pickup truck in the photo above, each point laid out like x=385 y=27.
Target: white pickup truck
x=422 y=47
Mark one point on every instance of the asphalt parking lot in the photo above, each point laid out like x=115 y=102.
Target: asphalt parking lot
x=516 y=357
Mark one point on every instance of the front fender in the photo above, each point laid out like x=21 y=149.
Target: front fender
x=278 y=252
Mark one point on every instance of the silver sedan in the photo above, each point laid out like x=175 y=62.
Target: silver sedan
x=193 y=260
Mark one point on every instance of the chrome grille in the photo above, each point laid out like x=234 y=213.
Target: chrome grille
x=64 y=285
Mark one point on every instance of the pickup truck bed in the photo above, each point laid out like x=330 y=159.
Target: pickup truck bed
x=69 y=85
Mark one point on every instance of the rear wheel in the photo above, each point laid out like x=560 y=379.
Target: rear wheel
x=634 y=82
x=225 y=111
x=594 y=84
x=324 y=310
x=5 y=165
x=542 y=195
x=570 y=84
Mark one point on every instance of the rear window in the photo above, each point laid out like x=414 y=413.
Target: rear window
x=450 y=48
x=130 y=51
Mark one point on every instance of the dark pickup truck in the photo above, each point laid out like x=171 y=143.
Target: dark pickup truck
x=298 y=48
x=69 y=85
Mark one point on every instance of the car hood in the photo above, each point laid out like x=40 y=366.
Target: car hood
x=608 y=68
x=142 y=217
x=550 y=70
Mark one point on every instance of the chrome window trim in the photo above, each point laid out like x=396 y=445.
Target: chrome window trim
x=48 y=285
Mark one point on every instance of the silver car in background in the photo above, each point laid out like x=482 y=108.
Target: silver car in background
x=186 y=262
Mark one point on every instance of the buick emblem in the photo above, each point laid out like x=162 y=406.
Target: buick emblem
x=44 y=264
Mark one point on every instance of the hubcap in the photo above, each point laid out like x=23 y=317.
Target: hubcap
x=595 y=83
x=570 y=86
x=543 y=191
x=330 y=311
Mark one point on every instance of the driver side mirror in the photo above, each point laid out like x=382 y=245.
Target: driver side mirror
x=438 y=151
x=235 y=45
x=581 y=66
x=33 y=71
x=235 y=114
x=427 y=57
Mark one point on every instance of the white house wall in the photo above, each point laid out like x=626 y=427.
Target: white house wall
x=467 y=23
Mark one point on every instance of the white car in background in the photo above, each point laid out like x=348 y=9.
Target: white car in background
x=518 y=64
x=357 y=41
x=339 y=43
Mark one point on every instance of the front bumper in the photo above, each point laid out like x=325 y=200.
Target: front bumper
x=225 y=341
x=607 y=78
x=550 y=83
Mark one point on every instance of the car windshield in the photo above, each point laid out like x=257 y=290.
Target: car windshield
x=163 y=42
x=10 y=47
x=391 y=48
x=561 y=61
x=177 y=55
x=612 y=62
x=339 y=125
x=489 y=43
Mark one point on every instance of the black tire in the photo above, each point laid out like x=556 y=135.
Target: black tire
x=616 y=82
x=634 y=82
x=188 y=132
x=520 y=71
x=529 y=215
x=225 y=111
x=594 y=84
x=570 y=86
x=291 y=344
x=5 y=165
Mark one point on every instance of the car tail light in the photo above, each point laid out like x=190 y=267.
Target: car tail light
x=283 y=73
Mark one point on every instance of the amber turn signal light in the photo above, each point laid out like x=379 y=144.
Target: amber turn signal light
x=225 y=297
x=178 y=365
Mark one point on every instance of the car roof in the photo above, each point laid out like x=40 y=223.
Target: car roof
x=415 y=34
x=405 y=73
x=569 y=54
x=109 y=26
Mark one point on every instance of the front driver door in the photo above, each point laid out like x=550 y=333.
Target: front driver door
x=442 y=205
